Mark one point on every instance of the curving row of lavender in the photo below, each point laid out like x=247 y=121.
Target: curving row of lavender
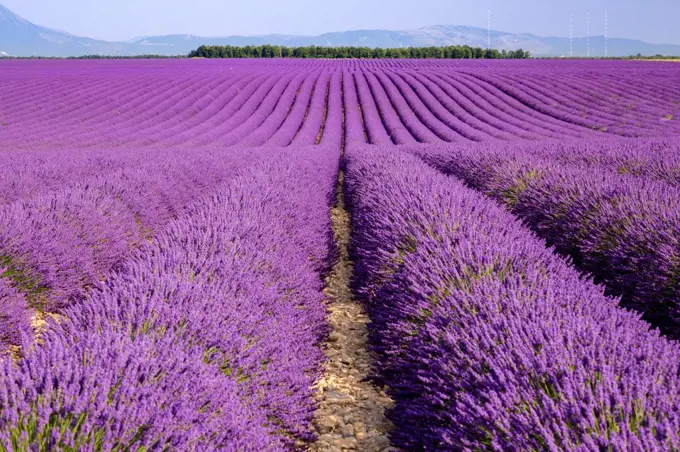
x=69 y=218
x=615 y=212
x=649 y=158
x=204 y=339
x=487 y=339
x=190 y=104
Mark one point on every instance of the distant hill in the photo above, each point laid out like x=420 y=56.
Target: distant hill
x=19 y=37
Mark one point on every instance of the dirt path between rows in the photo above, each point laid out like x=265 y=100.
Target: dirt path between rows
x=351 y=414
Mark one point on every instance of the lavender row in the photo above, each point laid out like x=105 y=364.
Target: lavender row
x=132 y=104
x=472 y=109
x=274 y=107
x=204 y=340
x=624 y=107
x=164 y=114
x=426 y=111
x=293 y=120
x=354 y=128
x=27 y=173
x=411 y=119
x=86 y=116
x=623 y=230
x=241 y=112
x=315 y=115
x=220 y=114
x=376 y=133
x=649 y=158
x=595 y=113
x=514 y=111
x=332 y=133
x=22 y=69
x=14 y=318
x=656 y=158
x=55 y=244
x=394 y=126
x=487 y=339
x=424 y=90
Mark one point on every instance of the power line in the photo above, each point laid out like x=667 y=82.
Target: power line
x=606 y=47
x=571 y=35
x=488 y=29
x=588 y=40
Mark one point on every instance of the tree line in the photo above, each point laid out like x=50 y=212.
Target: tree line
x=272 y=51
x=95 y=57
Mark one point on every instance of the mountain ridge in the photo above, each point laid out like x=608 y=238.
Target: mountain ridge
x=20 y=37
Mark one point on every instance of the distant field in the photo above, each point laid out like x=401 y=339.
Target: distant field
x=193 y=104
x=190 y=252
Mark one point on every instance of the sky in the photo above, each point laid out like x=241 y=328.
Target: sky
x=648 y=20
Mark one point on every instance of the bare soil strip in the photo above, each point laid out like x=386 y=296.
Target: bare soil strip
x=325 y=114
x=361 y=111
x=351 y=414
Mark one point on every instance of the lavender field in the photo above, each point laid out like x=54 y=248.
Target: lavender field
x=217 y=254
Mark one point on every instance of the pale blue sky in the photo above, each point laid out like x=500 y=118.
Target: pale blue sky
x=649 y=20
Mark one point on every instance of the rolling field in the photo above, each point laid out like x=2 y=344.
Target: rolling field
x=172 y=254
